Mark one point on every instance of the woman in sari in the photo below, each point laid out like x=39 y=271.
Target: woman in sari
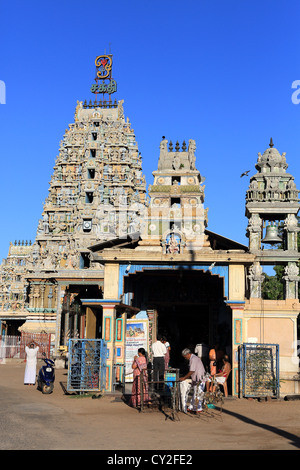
x=139 y=367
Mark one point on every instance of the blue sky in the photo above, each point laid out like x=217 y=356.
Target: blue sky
x=219 y=72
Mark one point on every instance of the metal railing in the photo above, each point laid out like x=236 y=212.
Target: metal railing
x=150 y=393
x=13 y=347
x=168 y=396
x=10 y=347
x=86 y=365
x=42 y=339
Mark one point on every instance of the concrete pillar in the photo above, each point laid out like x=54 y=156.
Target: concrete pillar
x=60 y=292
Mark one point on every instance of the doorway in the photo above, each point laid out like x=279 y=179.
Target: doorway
x=76 y=319
x=184 y=326
x=190 y=308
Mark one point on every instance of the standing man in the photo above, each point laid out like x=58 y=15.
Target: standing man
x=158 y=350
x=202 y=351
x=31 y=350
x=195 y=378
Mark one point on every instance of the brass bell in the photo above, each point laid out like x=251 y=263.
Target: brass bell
x=272 y=235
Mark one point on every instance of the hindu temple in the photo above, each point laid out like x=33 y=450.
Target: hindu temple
x=112 y=257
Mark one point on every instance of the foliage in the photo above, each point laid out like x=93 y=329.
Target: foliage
x=273 y=286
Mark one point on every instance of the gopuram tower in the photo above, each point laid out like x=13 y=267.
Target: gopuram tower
x=96 y=193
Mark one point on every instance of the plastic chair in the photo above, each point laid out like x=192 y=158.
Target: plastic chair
x=224 y=385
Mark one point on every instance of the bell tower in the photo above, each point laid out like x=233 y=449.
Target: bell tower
x=272 y=206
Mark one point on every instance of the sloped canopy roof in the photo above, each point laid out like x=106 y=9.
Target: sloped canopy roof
x=217 y=242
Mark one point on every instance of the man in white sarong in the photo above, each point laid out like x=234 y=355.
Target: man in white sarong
x=31 y=361
x=195 y=378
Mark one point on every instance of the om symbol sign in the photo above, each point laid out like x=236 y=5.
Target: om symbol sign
x=104 y=64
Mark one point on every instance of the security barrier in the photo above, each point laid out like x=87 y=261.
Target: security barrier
x=259 y=370
x=86 y=365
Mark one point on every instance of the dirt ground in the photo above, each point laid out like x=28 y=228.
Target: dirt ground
x=30 y=420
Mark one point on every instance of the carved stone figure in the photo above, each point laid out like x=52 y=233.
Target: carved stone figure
x=173 y=245
x=46 y=223
x=292 y=278
x=256 y=278
x=163 y=153
x=191 y=154
x=120 y=109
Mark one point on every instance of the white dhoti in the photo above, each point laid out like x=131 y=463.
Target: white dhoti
x=30 y=374
x=185 y=387
x=31 y=362
x=197 y=398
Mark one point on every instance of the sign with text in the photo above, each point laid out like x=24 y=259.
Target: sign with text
x=136 y=337
x=103 y=72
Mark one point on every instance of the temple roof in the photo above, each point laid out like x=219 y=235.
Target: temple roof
x=218 y=242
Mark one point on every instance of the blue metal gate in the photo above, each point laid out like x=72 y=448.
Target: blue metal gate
x=87 y=365
x=259 y=370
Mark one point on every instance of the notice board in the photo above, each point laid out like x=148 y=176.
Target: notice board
x=136 y=337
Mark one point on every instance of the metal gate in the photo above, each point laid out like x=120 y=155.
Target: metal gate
x=9 y=347
x=86 y=365
x=42 y=339
x=259 y=370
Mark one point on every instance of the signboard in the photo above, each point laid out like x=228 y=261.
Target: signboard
x=136 y=337
x=103 y=72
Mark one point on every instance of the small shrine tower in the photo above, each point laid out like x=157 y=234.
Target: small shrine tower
x=176 y=215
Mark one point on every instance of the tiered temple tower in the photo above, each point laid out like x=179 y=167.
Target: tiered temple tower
x=97 y=192
x=176 y=215
x=13 y=285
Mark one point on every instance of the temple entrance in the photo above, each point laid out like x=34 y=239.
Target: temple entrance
x=189 y=308
x=184 y=327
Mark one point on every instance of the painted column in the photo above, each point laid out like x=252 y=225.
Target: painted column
x=109 y=302
x=59 y=300
x=120 y=338
x=236 y=302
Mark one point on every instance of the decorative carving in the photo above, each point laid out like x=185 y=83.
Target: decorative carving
x=291 y=277
x=191 y=154
x=254 y=224
x=256 y=278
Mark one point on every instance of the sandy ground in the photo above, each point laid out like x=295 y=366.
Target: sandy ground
x=33 y=421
